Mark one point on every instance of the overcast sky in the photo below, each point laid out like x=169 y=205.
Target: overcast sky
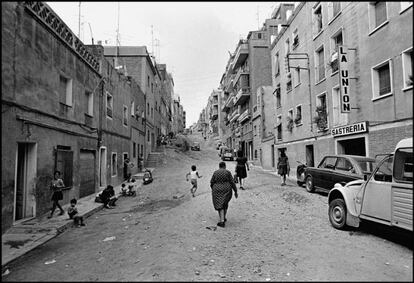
x=194 y=37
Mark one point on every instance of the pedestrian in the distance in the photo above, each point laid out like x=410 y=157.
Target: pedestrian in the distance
x=283 y=167
x=241 y=167
x=56 y=186
x=222 y=184
x=193 y=178
x=127 y=169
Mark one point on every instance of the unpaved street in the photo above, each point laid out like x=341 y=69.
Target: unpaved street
x=273 y=233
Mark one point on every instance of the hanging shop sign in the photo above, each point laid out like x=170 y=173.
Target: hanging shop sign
x=356 y=128
x=344 y=80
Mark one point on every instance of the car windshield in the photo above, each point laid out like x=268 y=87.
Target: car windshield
x=366 y=166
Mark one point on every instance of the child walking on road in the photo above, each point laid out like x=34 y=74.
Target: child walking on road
x=193 y=176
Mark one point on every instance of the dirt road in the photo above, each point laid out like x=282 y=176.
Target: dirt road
x=273 y=233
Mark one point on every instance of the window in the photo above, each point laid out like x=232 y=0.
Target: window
x=152 y=112
x=148 y=81
x=279 y=127
x=148 y=109
x=297 y=76
x=89 y=103
x=403 y=165
x=338 y=117
x=65 y=90
x=384 y=171
x=380 y=13
x=381 y=79
x=287 y=46
x=134 y=150
x=405 y=6
x=114 y=164
x=64 y=164
x=295 y=39
x=277 y=64
x=320 y=65
x=333 y=9
x=255 y=154
x=259 y=35
x=321 y=119
x=289 y=82
x=407 y=64
x=109 y=104
x=377 y=15
x=344 y=164
x=125 y=116
x=337 y=40
x=148 y=135
x=278 y=99
x=317 y=20
x=133 y=108
x=255 y=130
x=298 y=117
x=328 y=163
x=152 y=87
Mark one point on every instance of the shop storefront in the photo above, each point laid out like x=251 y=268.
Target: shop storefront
x=351 y=139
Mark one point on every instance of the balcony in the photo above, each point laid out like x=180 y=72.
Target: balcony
x=228 y=104
x=241 y=54
x=256 y=111
x=214 y=113
x=244 y=116
x=234 y=115
x=228 y=86
x=241 y=71
x=242 y=96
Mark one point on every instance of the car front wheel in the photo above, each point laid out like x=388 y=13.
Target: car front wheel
x=309 y=184
x=337 y=213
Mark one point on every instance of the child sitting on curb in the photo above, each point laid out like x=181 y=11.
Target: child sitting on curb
x=72 y=211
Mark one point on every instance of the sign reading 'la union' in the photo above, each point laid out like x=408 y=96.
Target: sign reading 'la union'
x=344 y=80
x=357 y=128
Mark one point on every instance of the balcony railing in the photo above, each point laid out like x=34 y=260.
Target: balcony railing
x=241 y=71
x=244 y=116
x=242 y=96
x=241 y=54
x=234 y=115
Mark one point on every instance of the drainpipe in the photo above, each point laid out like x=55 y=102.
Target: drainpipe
x=310 y=95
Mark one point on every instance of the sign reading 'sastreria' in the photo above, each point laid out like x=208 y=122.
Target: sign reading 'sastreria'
x=356 y=128
x=344 y=79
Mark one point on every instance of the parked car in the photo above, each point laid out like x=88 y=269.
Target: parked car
x=226 y=154
x=386 y=196
x=337 y=169
x=218 y=145
x=195 y=146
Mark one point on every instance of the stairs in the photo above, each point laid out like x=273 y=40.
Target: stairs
x=153 y=160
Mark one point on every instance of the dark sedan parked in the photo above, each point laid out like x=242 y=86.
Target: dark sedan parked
x=337 y=169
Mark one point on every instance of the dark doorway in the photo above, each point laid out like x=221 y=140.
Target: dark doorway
x=352 y=146
x=87 y=172
x=309 y=155
x=273 y=156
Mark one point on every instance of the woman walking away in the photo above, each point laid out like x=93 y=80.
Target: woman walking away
x=222 y=184
x=241 y=167
x=283 y=167
x=56 y=186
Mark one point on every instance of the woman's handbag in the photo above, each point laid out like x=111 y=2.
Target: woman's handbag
x=236 y=180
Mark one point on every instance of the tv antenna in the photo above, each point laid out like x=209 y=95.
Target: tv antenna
x=90 y=29
x=79 y=20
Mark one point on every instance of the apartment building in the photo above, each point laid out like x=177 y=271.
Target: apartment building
x=342 y=79
x=64 y=107
x=136 y=62
x=247 y=70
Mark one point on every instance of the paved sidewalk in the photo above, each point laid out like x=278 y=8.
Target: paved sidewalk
x=25 y=236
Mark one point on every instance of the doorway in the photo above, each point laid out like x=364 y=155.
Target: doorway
x=102 y=167
x=24 y=192
x=352 y=146
x=309 y=156
x=273 y=156
x=86 y=172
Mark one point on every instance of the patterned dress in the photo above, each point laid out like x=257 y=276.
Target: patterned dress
x=222 y=184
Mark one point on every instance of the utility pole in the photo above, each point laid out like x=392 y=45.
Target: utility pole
x=152 y=40
x=257 y=14
x=90 y=28
x=79 y=20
